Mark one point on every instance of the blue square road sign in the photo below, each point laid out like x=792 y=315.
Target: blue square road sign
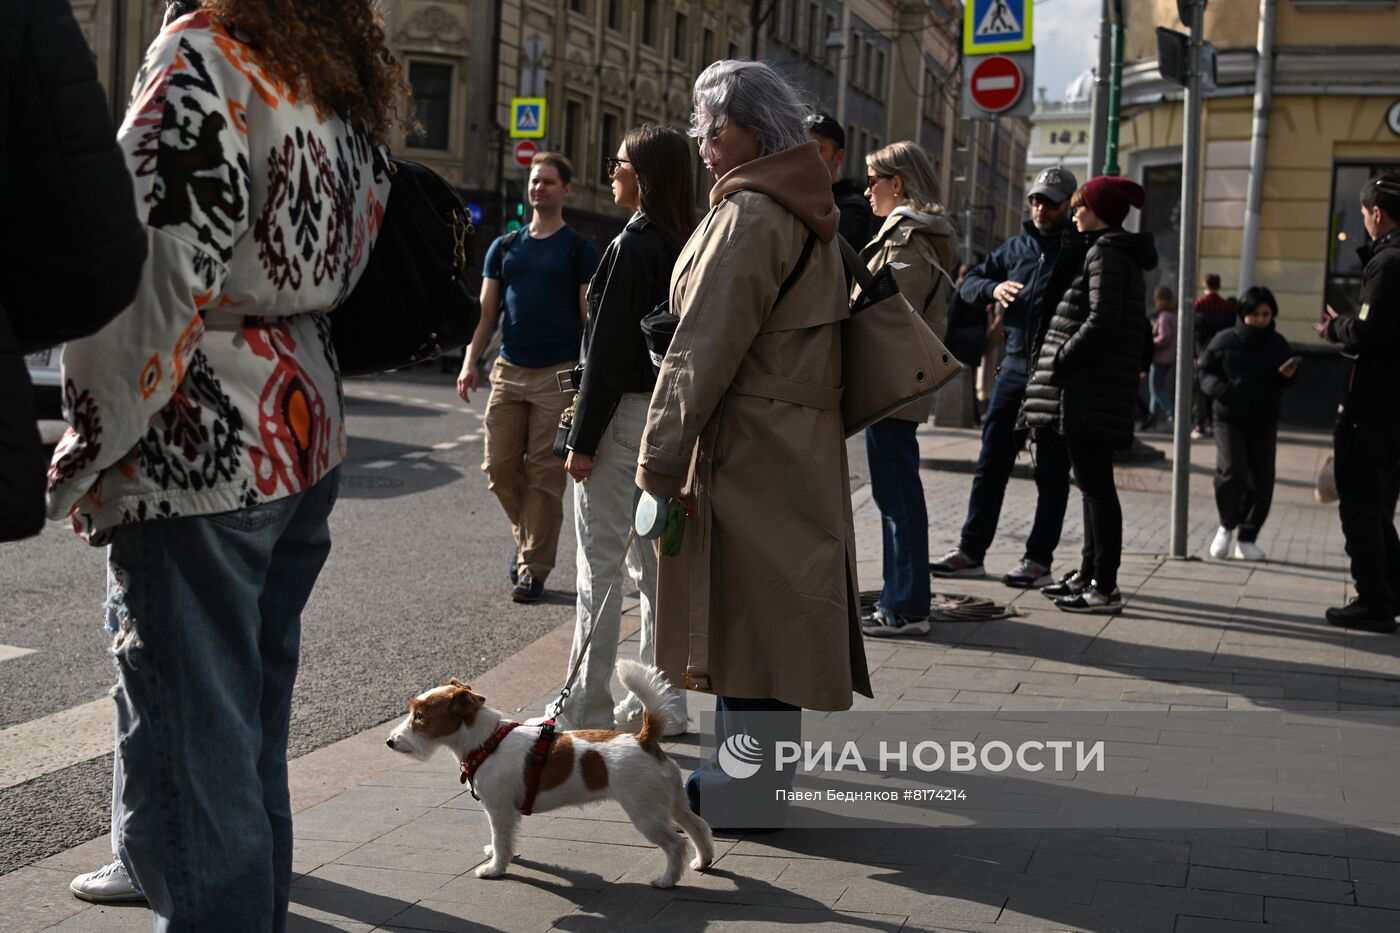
x=997 y=26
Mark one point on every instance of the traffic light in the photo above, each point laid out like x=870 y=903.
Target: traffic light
x=515 y=206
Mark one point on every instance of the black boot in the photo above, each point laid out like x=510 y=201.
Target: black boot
x=1359 y=615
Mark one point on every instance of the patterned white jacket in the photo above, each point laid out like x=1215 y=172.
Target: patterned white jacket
x=218 y=389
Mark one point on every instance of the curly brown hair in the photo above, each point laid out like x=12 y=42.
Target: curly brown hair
x=333 y=50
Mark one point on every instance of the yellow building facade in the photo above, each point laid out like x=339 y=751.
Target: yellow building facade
x=1336 y=77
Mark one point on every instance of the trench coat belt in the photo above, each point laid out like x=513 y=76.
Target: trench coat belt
x=806 y=394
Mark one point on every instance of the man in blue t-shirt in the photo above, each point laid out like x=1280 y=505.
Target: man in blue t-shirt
x=538 y=276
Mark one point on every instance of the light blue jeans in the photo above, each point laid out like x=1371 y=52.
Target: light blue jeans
x=206 y=620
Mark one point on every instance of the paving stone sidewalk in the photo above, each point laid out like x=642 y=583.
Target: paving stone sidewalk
x=1212 y=668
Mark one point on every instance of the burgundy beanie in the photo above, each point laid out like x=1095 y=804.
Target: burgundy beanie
x=1110 y=196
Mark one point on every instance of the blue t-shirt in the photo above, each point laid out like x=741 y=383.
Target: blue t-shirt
x=540 y=279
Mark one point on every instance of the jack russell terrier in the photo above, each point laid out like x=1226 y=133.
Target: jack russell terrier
x=518 y=769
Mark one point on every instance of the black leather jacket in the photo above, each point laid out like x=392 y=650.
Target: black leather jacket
x=633 y=277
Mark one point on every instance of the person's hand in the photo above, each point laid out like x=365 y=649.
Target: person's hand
x=1324 y=327
x=579 y=466
x=1289 y=367
x=467 y=380
x=1006 y=292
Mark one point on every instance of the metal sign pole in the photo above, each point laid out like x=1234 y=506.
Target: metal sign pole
x=1186 y=286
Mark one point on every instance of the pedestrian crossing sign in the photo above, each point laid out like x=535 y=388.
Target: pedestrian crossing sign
x=527 y=117
x=997 y=26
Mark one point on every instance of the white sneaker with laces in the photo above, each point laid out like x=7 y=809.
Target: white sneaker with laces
x=1247 y=550
x=110 y=884
x=1220 y=547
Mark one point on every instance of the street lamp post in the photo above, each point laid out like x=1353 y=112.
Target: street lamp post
x=1186 y=283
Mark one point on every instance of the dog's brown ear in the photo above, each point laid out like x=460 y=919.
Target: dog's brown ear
x=464 y=702
x=454 y=682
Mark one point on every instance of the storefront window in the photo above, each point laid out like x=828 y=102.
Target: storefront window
x=1161 y=217
x=1345 y=233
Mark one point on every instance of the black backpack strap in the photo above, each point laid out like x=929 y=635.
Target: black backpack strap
x=508 y=240
x=791 y=280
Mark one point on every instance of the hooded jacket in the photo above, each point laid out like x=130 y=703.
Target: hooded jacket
x=1372 y=335
x=745 y=422
x=927 y=244
x=1086 y=372
x=1239 y=372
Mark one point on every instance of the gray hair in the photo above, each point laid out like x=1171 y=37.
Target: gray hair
x=756 y=98
x=912 y=166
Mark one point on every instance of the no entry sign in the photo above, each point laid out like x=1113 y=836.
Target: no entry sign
x=525 y=153
x=996 y=83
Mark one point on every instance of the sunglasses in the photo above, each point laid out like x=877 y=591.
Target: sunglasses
x=614 y=163
x=1038 y=200
x=870 y=180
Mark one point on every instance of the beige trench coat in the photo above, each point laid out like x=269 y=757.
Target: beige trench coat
x=746 y=420
x=928 y=246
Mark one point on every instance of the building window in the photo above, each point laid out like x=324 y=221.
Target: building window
x=614 y=14
x=707 y=48
x=733 y=50
x=578 y=6
x=610 y=143
x=649 y=22
x=1345 y=233
x=814 y=43
x=573 y=120
x=854 y=45
x=867 y=60
x=432 y=99
x=879 y=87
x=795 y=24
x=829 y=52
x=678 y=40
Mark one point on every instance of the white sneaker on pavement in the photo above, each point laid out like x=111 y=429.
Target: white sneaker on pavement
x=1220 y=547
x=110 y=884
x=1247 y=550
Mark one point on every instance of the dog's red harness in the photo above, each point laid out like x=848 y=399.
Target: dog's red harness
x=474 y=759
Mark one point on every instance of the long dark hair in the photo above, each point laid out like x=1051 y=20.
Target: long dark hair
x=665 y=169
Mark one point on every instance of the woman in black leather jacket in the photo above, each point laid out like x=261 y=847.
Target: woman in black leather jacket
x=651 y=174
x=1084 y=385
x=1243 y=371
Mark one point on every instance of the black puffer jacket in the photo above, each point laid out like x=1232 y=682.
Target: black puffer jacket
x=1239 y=372
x=72 y=249
x=1086 y=371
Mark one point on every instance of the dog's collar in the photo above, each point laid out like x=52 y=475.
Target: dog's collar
x=473 y=760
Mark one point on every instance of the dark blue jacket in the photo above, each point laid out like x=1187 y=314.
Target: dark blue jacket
x=1028 y=258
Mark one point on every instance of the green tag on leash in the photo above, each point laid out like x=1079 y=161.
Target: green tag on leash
x=674 y=531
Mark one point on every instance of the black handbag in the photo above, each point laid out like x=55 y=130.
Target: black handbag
x=412 y=302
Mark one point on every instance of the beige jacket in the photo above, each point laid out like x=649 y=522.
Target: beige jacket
x=928 y=245
x=746 y=421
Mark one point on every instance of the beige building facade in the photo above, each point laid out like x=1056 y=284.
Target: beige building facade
x=1337 y=76
x=886 y=69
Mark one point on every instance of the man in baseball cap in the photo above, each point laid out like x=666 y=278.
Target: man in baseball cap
x=1017 y=278
x=1055 y=183
x=857 y=220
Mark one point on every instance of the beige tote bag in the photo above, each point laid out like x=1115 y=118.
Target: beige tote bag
x=890 y=357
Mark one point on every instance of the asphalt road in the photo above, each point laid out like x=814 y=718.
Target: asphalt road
x=414 y=592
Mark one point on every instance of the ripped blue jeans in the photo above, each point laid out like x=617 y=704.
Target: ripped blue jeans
x=205 y=616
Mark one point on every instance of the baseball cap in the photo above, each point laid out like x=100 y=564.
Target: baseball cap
x=1056 y=183
x=824 y=125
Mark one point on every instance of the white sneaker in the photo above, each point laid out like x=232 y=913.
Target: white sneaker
x=1220 y=547
x=108 y=885
x=1247 y=550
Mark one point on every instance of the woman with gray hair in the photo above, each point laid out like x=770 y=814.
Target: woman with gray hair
x=760 y=605
x=903 y=189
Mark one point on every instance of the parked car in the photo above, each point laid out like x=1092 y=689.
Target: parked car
x=48 y=382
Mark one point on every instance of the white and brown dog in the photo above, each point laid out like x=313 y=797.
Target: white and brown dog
x=579 y=767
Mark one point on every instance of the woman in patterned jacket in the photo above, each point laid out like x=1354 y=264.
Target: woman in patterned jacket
x=207 y=431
